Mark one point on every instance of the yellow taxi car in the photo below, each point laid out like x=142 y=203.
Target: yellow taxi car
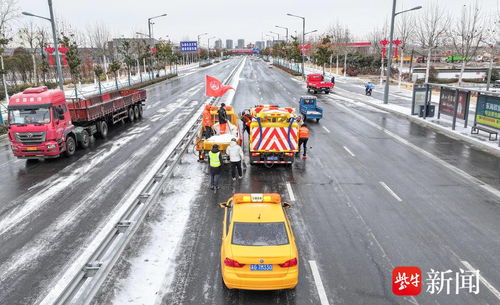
x=258 y=250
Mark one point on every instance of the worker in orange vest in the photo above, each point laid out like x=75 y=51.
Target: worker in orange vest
x=303 y=137
x=246 y=118
x=207 y=123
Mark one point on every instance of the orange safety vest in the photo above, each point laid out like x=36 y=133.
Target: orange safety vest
x=207 y=119
x=248 y=120
x=222 y=128
x=303 y=133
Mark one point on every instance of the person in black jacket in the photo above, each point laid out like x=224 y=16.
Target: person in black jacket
x=215 y=164
x=222 y=114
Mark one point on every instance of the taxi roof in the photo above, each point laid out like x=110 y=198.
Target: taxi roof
x=258 y=212
x=257 y=207
x=37 y=96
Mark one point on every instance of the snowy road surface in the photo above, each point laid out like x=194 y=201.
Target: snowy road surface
x=364 y=202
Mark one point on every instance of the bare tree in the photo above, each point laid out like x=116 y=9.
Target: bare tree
x=8 y=12
x=405 y=32
x=42 y=41
x=28 y=33
x=340 y=36
x=431 y=26
x=466 y=35
x=98 y=36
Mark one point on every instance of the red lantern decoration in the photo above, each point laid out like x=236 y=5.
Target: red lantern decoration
x=62 y=49
x=384 y=43
x=50 y=50
x=305 y=49
x=396 y=42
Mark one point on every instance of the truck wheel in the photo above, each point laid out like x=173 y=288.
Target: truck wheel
x=327 y=91
x=85 y=141
x=317 y=120
x=131 y=114
x=102 y=128
x=70 y=146
x=305 y=118
x=140 y=110
x=315 y=92
x=136 y=112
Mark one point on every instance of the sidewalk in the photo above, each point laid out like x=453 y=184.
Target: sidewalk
x=402 y=107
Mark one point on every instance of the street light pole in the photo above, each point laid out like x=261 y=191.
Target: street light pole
x=303 y=41
x=149 y=24
x=389 y=57
x=54 y=36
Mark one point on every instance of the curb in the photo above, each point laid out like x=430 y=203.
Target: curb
x=441 y=130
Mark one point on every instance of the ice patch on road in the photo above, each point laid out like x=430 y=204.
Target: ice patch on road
x=152 y=271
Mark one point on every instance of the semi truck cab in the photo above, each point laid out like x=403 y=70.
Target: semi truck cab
x=40 y=124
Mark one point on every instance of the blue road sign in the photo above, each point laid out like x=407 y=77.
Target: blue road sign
x=256 y=50
x=189 y=46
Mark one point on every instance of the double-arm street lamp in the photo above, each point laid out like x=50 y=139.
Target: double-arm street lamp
x=150 y=23
x=286 y=29
x=54 y=36
x=303 y=40
x=391 y=37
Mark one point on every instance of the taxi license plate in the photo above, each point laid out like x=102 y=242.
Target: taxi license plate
x=260 y=267
x=272 y=158
x=31 y=148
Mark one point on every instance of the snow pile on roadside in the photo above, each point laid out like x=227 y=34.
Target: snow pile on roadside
x=152 y=270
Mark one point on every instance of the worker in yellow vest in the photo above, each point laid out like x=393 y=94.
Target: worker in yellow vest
x=303 y=137
x=215 y=163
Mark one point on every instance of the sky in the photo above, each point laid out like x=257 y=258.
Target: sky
x=232 y=19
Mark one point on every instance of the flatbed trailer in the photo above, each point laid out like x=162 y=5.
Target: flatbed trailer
x=44 y=124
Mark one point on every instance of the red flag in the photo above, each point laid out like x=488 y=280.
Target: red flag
x=213 y=87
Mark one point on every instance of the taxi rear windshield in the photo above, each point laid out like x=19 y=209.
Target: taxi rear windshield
x=259 y=234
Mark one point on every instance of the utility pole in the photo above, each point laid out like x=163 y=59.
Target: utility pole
x=303 y=42
x=389 y=57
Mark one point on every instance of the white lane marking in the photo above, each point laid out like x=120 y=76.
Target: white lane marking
x=290 y=191
x=458 y=171
x=326 y=129
x=390 y=191
x=319 y=283
x=482 y=279
x=349 y=151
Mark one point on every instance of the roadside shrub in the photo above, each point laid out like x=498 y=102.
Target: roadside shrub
x=3 y=129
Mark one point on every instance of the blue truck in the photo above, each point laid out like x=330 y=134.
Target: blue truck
x=309 y=108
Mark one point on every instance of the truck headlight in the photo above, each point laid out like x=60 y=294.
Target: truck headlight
x=51 y=146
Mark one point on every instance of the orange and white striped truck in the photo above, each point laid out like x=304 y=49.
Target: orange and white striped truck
x=274 y=135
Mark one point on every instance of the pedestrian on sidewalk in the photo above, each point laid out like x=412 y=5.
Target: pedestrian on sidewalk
x=215 y=163
x=235 y=154
x=303 y=137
